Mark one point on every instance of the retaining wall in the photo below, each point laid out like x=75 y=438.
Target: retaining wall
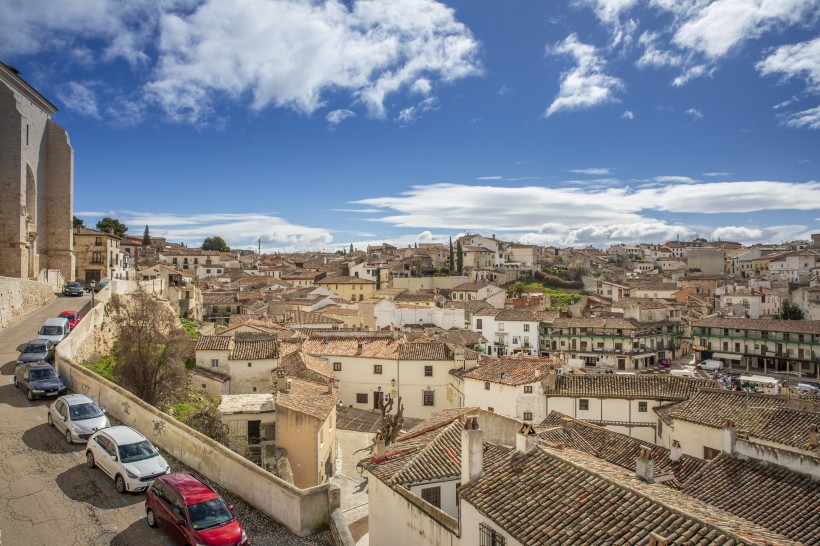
x=19 y=297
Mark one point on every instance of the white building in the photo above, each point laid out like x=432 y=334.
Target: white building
x=510 y=331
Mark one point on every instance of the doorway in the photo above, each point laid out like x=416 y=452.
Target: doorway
x=378 y=399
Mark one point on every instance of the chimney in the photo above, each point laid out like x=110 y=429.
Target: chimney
x=472 y=450
x=359 y=348
x=645 y=465
x=549 y=380
x=729 y=436
x=525 y=439
x=567 y=423
x=282 y=382
x=378 y=449
x=814 y=441
x=330 y=386
x=676 y=451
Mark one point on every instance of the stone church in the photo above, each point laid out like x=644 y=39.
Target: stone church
x=36 y=183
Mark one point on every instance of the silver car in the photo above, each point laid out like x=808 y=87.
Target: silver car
x=77 y=417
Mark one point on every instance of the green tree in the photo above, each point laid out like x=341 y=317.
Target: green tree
x=790 y=311
x=378 y=279
x=459 y=258
x=112 y=224
x=146 y=237
x=351 y=248
x=215 y=243
x=517 y=289
x=452 y=256
x=79 y=222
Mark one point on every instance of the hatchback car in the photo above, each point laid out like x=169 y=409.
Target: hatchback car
x=191 y=512
x=72 y=316
x=77 y=416
x=38 y=379
x=56 y=329
x=127 y=456
x=808 y=387
x=36 y=351
x=664 y=363
x=72 y=289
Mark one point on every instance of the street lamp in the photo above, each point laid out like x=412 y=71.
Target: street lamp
x=393 y=382
x=93 y=291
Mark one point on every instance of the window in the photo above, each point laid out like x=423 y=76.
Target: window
x=500 y=326
x=337 y=366
x=642 y=407
x=486 y=385
x=96 y=257
x=528 y=416
x=250 y=365
x=526 y=327
x=361 y=398
x=428 y=371
x=377 y=369
x=428 y=398
x=709 y=453
x=527 y=389
x=583 y=404
x=478 y=324
x=489 y=536
x=214 y=363
x=432 y=495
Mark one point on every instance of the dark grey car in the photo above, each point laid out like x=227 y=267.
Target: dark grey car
x=37 y=350
x=73 y=288
x=39 y=380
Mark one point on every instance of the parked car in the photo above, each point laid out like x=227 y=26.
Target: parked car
x=710 y=365
x=98 y=285
x=77 y=417
x=54 y=329
x=191 y=512
x=72 y=288
x=37 y=350
x=127 y=457
x=72 y=316
x=664 y=363
x=39 y=380
x=808 y=387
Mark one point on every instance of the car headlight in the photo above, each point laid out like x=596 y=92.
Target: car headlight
x=244 y=535
x=76 y=429
x=36 y=391
x=131 y=474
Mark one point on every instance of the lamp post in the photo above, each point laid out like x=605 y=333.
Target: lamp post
x=93 y=292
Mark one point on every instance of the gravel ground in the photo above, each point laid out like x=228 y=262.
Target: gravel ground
x=262 y=530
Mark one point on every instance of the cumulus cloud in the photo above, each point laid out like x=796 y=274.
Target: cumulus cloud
x=292 y=53
x=629 y=114
x=674 y=179
x=695 y=113
x=751 y=235
x=80 y=98
x=412 y=113
x=337 y=116
x=585 y=85
x=238 y=229
x=796 y=60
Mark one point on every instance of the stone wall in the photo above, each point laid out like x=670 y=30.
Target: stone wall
x=19 y=297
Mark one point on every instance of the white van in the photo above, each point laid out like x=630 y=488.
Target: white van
x=54 y=329
x=760 y=383
x=682 y=373
x=710 y=365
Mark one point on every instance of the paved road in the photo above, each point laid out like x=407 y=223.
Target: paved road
x=47 y=495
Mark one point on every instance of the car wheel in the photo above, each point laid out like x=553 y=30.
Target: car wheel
x=119 y=483
x=150 y=518
x=50 y=421
x=89 y=460
x=29 y=395
x=67 y=436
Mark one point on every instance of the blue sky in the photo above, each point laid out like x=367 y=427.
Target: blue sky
x=318 y=124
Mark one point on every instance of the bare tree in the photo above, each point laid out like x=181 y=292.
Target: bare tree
x=151 y=347
x=390 y=425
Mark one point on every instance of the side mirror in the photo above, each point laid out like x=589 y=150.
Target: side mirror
x=230 y=507
x=113 y=457
x=180 y=521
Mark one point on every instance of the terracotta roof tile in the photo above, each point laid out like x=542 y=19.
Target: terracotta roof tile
x=254 y=349
x=213 y=343
x=511 y=371
x=651 y=387
x=308 y=397
x=796 y=326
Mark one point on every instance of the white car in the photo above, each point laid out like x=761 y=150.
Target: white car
x=127 y=457
x=711 y=365
x=76 y=416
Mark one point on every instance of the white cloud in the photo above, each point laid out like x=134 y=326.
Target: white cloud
x=629 y=114
x=736 y=233
x=751 y=235
x=593 y=171
x=674 y=179
x=490 y=178
x=422 y=86
x=609 y=11
x=695 y=113
x=691 y=73
x=586 y=85
x=654 y=55
x=716 y=174
x=337 y=116
x=723 y=24
x=238 y=229
x=424 y=237
x=412 y=113
x=80 y=98
x=807 y=119
x=796 y=60
x=505 y=90
x=293 y=53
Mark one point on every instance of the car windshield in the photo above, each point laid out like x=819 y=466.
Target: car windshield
x=74 y=285
x=51 y=331
x=209 y=513
x=68 y=315
x=130 y=453
x=43 y=373
x=85 y=411
x=35 y=348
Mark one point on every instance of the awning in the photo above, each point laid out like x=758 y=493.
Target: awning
x=728 y=356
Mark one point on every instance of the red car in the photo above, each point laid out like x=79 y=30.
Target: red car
x=191 y=512
x=664 y=363
x=72 y=316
